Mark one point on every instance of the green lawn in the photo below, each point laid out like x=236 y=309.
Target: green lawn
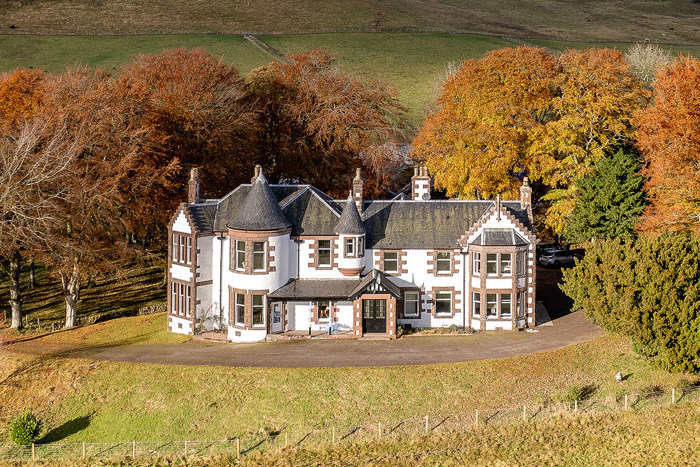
x=125 y=401
x=54 y=53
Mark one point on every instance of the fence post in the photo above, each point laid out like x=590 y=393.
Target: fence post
x=476 y=419
x=673 y=395
x=426 y=424
x=83 y=449
x=133 y=449
x=626 y=406
x=186 y=449
x=576 y=407
x=33 y=454
x=379 y=432
x=238 y=447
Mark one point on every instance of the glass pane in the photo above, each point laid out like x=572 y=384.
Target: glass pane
x=491 y=304
x=491 y=263
x=411 y=295
x=323 y=310
x=381 y=309
x=258 y=246
x=506 y=263
x=476 y=268
x=444 y=261
x=324 y=252
x=505 y=305
x=367 y=311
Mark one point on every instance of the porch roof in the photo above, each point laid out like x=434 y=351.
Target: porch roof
x=315 y=288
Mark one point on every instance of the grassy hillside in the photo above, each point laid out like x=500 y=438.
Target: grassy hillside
x=671 y=20
x=146 y=402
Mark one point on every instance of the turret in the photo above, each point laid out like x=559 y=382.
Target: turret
x=351 y=235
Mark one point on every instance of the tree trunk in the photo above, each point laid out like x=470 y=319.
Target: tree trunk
x=16 y=290
x=32 y=278
x=71 y=293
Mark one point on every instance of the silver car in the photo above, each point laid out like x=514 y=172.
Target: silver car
x=558 y=258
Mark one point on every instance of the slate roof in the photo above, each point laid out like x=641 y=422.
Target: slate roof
x=388 y=224
x=260 y=210
x=499 y=237
x=350 y=221
x=315 y=288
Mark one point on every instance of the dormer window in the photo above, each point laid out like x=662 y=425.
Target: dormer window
x=324 y=253
x=258 y=256
x=391 y=261
x=240 y=255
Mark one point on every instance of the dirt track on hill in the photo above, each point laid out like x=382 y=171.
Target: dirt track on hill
x=569 y=329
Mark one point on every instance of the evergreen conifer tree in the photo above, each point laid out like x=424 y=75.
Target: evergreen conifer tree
x=609 y=201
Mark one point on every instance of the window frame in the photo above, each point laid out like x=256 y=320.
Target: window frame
x=258 y=254
x=188 y=250
x=326 y=318
x=319 y=264
x=476 y=304
x=439 y=260
x=276 y=313
x=502 y=263
x=360 y=247
x=493 y=262
x=439 y=299
x=476 y=263
x=501 y=296
x=238 y=266
x=238 y=308
x=261 y=307
x=520 y=262
x=520 y=304
x=406 y=301
x=495 y=306
x=183 y=247
x=349 y=252
x=175 y=253
x=384 y=261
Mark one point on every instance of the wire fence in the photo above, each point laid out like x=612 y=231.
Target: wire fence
x=243 y=445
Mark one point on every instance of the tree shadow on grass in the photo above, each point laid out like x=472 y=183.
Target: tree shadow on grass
x=69 y=428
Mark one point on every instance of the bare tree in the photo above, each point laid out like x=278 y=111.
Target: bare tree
x=32 y=167
x=645 y=59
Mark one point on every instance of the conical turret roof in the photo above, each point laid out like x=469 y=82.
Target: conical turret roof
x=260 y=209
x=350 y=221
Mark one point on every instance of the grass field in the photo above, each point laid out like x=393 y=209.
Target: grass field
x=669 y=21
x=124 y=401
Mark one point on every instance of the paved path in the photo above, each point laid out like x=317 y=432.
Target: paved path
x=417 y=350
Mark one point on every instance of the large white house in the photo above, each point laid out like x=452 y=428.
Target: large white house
x=268 y=259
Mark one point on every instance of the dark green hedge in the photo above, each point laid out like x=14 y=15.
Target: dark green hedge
x=647 y=289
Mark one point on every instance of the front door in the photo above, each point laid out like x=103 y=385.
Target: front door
x=374 y=314
x=277 y=325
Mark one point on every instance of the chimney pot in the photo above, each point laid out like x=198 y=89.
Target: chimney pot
x=193 y=187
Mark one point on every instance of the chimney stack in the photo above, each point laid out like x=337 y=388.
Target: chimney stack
x=357 y=191
x=193 y=187
x=256 y=173
x=498 y=207
x=421 y=184
x=525 y=194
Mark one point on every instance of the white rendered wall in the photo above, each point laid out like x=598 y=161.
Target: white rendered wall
x=181 y=225
x=180 y=325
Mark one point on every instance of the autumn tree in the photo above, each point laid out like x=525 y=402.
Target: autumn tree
x=20 y=95
x=198 y=114
x=34 y=165
x=646 y=59
x=528 y=110
x=609 y=201
x=669 y=137
x=317 y=123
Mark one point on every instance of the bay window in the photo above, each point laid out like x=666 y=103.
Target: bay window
x=506 y=264
x=240 y=255
x=520 y=263
x=258 y=310
x=476 y=304
x=258 y=256
x=240 y=309
x=491 y=264
x=491 y=305
x=476 y=264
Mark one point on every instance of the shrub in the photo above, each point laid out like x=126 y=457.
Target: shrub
x=578 y=393
x=646 y=289
x=25 y=429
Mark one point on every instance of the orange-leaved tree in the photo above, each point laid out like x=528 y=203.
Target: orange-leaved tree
x=318 y=123
x=20 y=94
x=669 y=137
x=528 y=110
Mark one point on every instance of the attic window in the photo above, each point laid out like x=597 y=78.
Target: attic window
x=444 y=262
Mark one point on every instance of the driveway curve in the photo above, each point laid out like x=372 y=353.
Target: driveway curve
x=411 y=350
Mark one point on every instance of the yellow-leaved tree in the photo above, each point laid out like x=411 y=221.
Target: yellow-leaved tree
x=529 y=110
